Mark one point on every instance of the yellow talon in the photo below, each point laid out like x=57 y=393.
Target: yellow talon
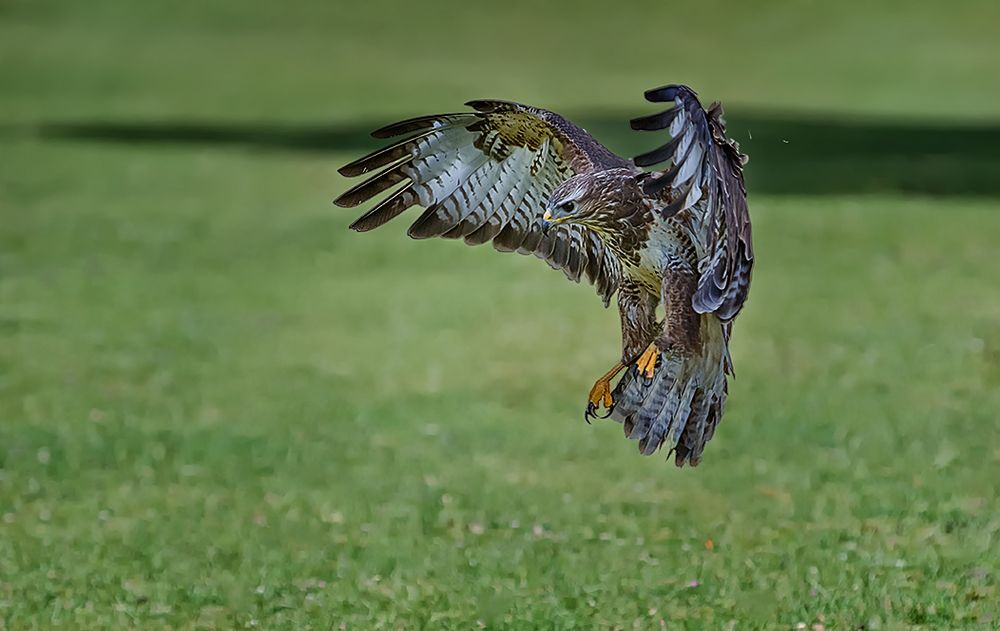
x=647 y=361
x=601 y=393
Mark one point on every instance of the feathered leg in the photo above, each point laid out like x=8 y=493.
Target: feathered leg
x=637 y=308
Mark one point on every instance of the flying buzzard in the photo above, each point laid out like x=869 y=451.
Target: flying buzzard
x=532 y=182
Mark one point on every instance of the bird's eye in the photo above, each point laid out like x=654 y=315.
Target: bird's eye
x=568 y=207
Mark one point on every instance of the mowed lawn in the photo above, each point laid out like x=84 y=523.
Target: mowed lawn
x=219 y=408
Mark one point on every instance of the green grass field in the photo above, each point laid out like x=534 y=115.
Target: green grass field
x=221 y=409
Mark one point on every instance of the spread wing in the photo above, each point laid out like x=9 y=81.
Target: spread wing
x=706 y=175
x=486 y=176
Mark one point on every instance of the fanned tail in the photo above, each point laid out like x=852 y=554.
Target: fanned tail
x=682 y=403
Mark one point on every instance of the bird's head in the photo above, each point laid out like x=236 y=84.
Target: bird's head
x=597 y=199
x=573 y=201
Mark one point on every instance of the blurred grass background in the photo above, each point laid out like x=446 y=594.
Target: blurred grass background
x=220 y=409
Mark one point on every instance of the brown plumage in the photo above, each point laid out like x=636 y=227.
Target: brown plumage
x=530 y=181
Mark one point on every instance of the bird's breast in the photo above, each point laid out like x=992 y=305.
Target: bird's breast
x=665 y=246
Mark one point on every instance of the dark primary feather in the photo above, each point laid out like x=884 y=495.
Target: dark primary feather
x=660 y=120
x=707 y=170
x=385 y=210
x=382 y=157
x=658 y=155
x=421 y=122
x=486 y=176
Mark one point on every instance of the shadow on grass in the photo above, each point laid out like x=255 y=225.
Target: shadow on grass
x=790 y=154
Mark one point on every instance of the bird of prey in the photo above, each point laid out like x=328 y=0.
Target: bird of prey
x=675 y=237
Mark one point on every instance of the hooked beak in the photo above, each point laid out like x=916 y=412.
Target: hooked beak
x=554 y=215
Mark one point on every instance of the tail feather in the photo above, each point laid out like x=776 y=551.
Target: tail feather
x=699 y=431
x=681 y=404
x=656 y=397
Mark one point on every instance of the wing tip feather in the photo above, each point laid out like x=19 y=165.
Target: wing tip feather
x=421 y=122
x=669 y=92
x=482 y=105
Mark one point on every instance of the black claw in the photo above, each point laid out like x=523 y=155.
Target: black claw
x=592 y=412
